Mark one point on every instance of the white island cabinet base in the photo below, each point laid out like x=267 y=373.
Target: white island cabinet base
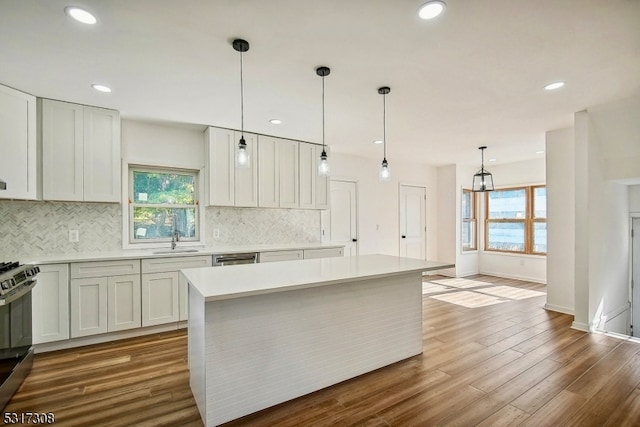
x=274 y=332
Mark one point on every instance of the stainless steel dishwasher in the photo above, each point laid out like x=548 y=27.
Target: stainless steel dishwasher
x=235 y=259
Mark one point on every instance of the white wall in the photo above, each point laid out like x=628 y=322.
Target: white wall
x=525 y=267
x=560 y=170
x=609 y=275
x=378 y=202
x=602 y=209
x=448 y=217
x=151 y=143
x=634 y=199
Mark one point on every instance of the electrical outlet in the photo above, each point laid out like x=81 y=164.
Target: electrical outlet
x=521 y=262
x=216 y=233
x=74 y=236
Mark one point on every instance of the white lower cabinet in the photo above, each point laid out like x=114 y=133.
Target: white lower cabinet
x=292 y=255
x=159 y=298
x=164 y=296
x=274 y=256
x=50 y=304
x=103 y=298
x=323 y=253
x=123 y=302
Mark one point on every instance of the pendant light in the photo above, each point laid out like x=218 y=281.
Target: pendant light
x=242 y=155
x=323 y=166
x=385 y=171
x=482 y=180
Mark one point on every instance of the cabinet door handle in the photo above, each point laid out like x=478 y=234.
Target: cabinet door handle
x=404 y=237
x=354 y=240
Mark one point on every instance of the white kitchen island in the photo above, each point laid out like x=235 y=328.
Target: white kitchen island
x=262 y=334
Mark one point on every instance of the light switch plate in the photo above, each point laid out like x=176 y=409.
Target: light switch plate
x=74 y=236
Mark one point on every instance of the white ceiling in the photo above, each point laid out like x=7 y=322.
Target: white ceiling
x=474 y=76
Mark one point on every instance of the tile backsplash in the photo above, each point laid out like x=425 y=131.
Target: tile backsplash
x=261 y=226
x=40 y=228
x=33 y=228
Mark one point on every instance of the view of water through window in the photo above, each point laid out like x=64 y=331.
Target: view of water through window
x=510 y=226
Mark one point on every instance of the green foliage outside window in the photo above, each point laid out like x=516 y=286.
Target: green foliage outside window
x=161 y=202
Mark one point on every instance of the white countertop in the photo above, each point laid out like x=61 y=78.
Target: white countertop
x=179 y=252
x=235 y=281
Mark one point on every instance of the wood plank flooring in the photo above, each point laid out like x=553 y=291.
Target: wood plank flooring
x=505 y=364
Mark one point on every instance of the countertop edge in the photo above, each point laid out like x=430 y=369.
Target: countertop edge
x=148 y=253
x=310 y=284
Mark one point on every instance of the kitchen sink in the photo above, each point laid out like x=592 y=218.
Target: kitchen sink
x=174 y=251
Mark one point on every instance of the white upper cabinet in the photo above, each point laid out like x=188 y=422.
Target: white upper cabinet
x=289 y=179
x=282 y=173
x=80 y=152
x=219 y=168
x=323 y=189
x=18 y=162
x=268 y=172
x=308 y=172
x=101 y=155
x=226 y=185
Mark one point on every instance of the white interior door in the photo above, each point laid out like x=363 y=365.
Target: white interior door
x=636 y=276
x=413 y=221
x=340 y=223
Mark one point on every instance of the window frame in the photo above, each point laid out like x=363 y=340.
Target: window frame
x=473 y=220
x=528 y=221
x=132 y=241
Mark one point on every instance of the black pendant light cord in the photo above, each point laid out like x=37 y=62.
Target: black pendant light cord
x=241 y=99
x=323 y=114
x=384 y=125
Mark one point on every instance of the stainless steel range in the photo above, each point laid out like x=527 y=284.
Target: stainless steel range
x=16 y=351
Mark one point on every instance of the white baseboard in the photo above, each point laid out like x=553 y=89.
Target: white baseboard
x=102 y=338
x=559 y=309
x=514 y=276
x=580 y=326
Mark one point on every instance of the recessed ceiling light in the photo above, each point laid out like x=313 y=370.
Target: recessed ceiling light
x=80 y=15
x=540 y=152
x=432 y=9
x=554 y=86
x=492 y=160
x=275 y=121
x=101 y=88
x=377 y=141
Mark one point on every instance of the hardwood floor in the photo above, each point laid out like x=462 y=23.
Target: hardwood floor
x=489 y=360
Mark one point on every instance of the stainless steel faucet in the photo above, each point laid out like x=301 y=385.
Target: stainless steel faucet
x=175 y=234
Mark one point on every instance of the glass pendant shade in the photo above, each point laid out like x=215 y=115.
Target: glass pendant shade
x=482 y=181
x=323 y=166
x=385 y=172
x=242 y=154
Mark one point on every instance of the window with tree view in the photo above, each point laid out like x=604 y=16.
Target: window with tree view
x=161 y=202
x=516 y=220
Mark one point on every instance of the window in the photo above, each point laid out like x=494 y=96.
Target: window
x=162 y=201
x=516 y=220
x=469 y=221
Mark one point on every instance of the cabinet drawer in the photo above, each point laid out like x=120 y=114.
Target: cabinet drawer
x=163 y=265
x=323 y=253
x=280 y=256
x=81 y=270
